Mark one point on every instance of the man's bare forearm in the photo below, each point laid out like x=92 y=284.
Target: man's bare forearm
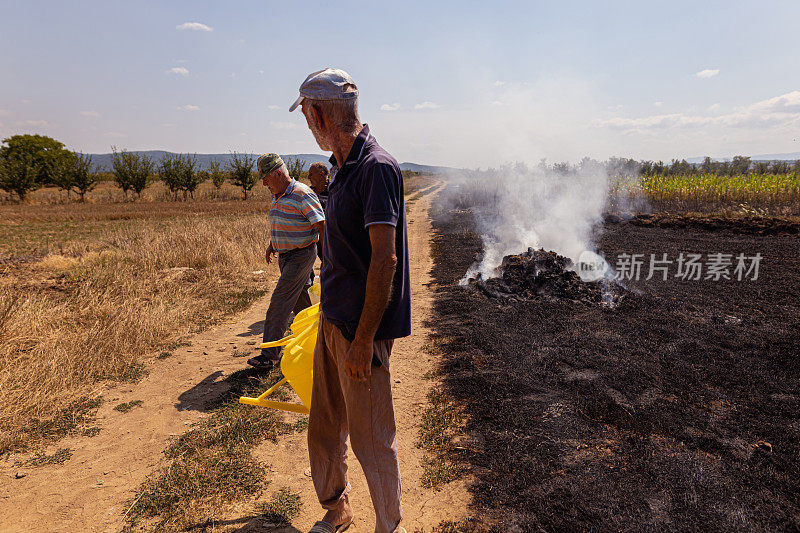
x=379 y=283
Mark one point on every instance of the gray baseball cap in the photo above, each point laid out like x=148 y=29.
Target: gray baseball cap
x=327 y=84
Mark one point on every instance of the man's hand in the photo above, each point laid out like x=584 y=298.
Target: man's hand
x=358 y=360
x=270 y=252
x=379 y=284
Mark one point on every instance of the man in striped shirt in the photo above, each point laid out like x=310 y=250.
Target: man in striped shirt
x=297 y=222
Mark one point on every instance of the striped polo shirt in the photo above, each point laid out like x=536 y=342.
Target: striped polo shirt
x=292 y=218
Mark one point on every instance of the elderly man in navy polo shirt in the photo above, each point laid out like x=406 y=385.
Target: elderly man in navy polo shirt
x=365 y=306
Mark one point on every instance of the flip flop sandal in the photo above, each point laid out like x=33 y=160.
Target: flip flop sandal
x=326 y=527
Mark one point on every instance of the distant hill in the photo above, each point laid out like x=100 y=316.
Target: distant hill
x=103 y=161
x=794 y=156
x=415 y=167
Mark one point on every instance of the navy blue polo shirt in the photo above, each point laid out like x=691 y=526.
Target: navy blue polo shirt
x=366 y=190
x=323 y=197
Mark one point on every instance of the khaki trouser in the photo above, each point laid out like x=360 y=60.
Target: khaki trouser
x=342 y=406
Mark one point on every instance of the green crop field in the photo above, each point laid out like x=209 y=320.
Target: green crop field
x=773 y=194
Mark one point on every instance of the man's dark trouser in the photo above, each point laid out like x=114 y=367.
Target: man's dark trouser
x=289 y=294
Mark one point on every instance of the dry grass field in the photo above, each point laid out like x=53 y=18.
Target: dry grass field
x=89 y=291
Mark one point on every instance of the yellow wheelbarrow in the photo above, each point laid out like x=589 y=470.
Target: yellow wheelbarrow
x=297 y=363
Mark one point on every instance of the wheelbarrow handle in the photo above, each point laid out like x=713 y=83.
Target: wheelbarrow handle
x=280 y=342
x=261 y=401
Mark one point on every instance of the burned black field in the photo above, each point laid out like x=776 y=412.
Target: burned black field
x=679 y=409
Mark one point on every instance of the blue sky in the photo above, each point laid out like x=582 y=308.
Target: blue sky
x=454 y=83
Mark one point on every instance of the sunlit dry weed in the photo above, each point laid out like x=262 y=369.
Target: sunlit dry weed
x=106 y=302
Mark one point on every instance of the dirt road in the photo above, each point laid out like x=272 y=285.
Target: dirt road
x=89 y=491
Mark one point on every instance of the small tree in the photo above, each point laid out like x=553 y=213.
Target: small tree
x=170 y=173
x=18 y=175
x=178 y=174
x=131 y=171
x=241 y=168
x=216 y=174
x=84 y=177
x=563 y=168
x=760 y=167
x=740 y=165
x=296 y=168
x=190 y=179
x=142 y=174
x=780 y=167
x=60 y=170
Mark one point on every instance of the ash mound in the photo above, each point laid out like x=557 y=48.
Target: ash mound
x=541 y=274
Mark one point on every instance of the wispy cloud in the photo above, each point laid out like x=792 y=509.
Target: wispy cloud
x=94 y=114
x=707 y=73
x=658 y=104
x=283 y=125
x=778 y=111
x=427 y=105
x=498 y=103
x=3 y=113
x=35 y=123
x=188 y=107
x=177 y=71
x=390 y=107
x=194 y=26
x=785 y=103
x=114 y=135
x=272 y=107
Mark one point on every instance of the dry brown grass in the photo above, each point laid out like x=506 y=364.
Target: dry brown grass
x=109 y=299
x=90 y=290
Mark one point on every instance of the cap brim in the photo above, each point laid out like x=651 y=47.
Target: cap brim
x=296 y=103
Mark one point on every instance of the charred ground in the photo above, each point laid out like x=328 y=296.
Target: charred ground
x=678 y=409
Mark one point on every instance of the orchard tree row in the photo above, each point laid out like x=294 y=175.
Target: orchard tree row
x=28 y=162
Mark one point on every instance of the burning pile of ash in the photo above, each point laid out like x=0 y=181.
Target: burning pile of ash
x=539 y=274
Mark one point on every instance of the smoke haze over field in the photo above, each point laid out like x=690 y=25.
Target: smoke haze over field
x=517 y=207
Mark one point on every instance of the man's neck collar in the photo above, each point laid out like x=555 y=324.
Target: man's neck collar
x=350 y=147
x=287 y=189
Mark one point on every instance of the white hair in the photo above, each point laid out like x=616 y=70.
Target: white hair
x=342 y=114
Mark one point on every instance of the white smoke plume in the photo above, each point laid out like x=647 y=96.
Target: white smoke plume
x=517 y=207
